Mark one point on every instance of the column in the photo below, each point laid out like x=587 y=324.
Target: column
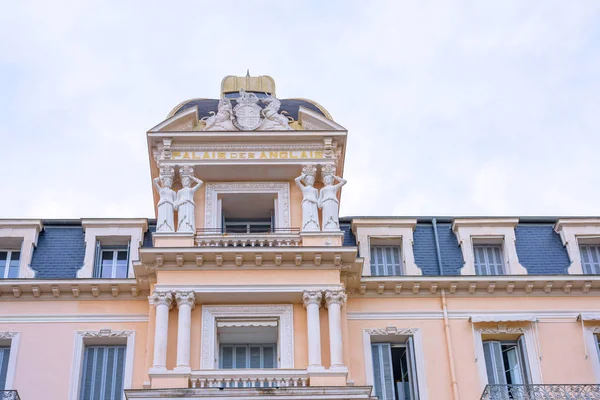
x=335 y=299
x=162 y=300
x=312 y=303
x=185 y=303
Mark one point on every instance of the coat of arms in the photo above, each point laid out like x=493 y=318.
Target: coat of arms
x=247 y=112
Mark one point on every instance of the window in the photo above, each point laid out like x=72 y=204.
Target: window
x=394 y=371
x=590 y=259
x=385 y=260
x=241 y=356
x=102 y=375
x=111 y=261
x=506 y=362
x=488 y=259
x=9 y=263
x=4 y=356
x=247 y=226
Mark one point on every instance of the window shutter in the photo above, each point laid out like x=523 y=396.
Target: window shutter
x=396 y=260
x=382 y=371
x=412 y=369
x=480 y=267
x=270 y=356
x=97 y=261
x=102 y=375
x=227 y=357
x=590 y=259
x=526 y=370
x=128 y=253
x=494 y=365
x=4 y=355
x=255 y=357
x=240 y=357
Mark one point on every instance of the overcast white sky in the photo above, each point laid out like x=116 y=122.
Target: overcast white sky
x=452 y=107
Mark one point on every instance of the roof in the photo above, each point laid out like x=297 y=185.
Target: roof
x=61 y=246
x=290 y=106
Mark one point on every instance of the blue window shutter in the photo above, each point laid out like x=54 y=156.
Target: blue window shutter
x=97 y=261
x=227 y=357
x=102 y=375
x=526 y=369
x=4 y=356
x=270 y=356
x=382 y=371
x=240 y=357
x=255 y=356
x=412 y=369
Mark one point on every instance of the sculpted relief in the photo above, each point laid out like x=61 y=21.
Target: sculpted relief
x=182 y=201
x=326 y=199
x=248 y=115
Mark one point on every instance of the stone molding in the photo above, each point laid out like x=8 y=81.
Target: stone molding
x=185 y=298
x=335 y=297
x=161 y=298
x=312 y=297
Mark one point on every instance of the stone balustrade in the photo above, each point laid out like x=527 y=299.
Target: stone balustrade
x=249 y=240
x=249 y=378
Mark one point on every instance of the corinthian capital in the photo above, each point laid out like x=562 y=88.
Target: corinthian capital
x=312 y=297
x=185 y=298
x=160 y=297
x=335 y=297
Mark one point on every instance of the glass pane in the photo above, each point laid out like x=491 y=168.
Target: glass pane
x=13 y=270
x=255 y=357
x=121 y=264
x=513 y=368
x=240 y=357
x=227 y=357
x=4 y=356
x=269 y=354
x=3 y=255
x=107 y=263
x=99 y=372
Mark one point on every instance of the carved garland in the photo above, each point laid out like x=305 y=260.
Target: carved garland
x=501 y=330
x=391 y=330
x=286 y=329
x=106 y=334
x=213 y=189
x=7 y=335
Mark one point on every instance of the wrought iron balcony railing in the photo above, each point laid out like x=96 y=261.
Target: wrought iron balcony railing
x=9 y=395
x=541 y=392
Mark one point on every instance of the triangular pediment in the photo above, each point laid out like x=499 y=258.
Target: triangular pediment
x=314 y=121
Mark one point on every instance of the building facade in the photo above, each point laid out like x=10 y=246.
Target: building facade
x=247 y=284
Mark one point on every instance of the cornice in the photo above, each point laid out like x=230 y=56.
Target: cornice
x=115 y=222
x=383 y=223
x=468 y=285
x=22 y=224
x=73 y=289
x=575 y=222
x=479 y=222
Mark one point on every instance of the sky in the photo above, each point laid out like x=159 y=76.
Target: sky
x=452 y=107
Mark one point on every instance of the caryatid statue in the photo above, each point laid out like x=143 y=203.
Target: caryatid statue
x=185 y=205
x=166 y=203
x=310 y=211
x=328 y=200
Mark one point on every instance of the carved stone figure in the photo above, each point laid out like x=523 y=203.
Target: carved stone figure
x=166 y=202
x=247 y=113
x=328 y=200
x=186 y=221
x=273 y=121
x=223 y=119
x=310 y=211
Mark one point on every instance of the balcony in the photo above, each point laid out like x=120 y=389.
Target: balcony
x=249 y=378
x=272 y=237
x=541 y=392
x=9 y=395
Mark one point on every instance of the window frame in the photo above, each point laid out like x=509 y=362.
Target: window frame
x=247 y=347
x=395 y=335
x=10 y=339
x=115 y=249
x=103 y=337
x=521 y=352
x=9 y=260
x=94 y=370
x=488 y=266
x=589 y=245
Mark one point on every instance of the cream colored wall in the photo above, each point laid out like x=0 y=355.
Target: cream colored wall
x=248 y=277
x=45 y=351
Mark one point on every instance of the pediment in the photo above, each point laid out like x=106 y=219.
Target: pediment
x=313 y=121
x=180 y=122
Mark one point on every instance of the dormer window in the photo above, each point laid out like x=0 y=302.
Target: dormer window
x=488 y=259
x=9 y=263
x=111 y=261
x=385 y=259
x=590 y=258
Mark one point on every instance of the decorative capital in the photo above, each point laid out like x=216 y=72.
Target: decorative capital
x=186 y=170
x=309 y=170
x=312 y=297
x=328 y=169
x=335 y=297
x=161 y=298
x=167 y=171
x=185 y=298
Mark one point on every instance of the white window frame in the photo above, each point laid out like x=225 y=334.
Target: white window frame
x=8 y=260
x=27 y=232
x=212 y=205
x=115 y=251
x=503 y=329
x=13 y=338
x=574 y=231
x=128 y=230
x=247 y=347
x=104 y=337
x=419 y=354
x=399 y=230
x=285 y=341
x=592 y=337
x=594 y=244
x=493 y=231
x=489 y=245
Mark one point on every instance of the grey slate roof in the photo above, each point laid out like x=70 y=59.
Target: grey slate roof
x=205 y=106
x=59 y=252
x=61 y=247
